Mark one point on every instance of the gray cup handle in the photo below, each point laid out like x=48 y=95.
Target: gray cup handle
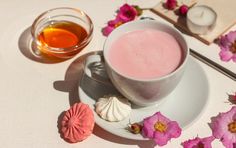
x=94 y=68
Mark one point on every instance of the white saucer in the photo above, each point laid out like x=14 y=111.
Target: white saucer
x=183 y=105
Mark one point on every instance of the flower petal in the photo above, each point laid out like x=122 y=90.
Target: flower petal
x=173 y=129
x=148 y=126
x=230 y=137
x=207 y=141
x=231 y=36
x=171 y=4
x=191 y=143
x=220 y=127
x=107 y=30
x=114 y=22
x=161 y=139
x=147 y=131
x=183 y=9
x=224 y=42
x=234 y=58
x=151 y=120
x=225 y=55
x=127 y=13
x=162 y=118
x=231 y=115
x=227 y=143
x=227 y=48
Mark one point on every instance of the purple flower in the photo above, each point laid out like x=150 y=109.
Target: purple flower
x=127 y=13
x=198 y=142
x=224 y=128
x=227 y=44
x=160 y=128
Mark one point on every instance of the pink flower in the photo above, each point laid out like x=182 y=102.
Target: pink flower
x=171 y=4
x=107 y=30
x=198 y=142
x=127 y=13
x=227 y=44
x=224 y=128
x=183 y=10
x=160 y=128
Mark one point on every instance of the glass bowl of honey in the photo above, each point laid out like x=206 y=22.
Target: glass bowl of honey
x=62 y=32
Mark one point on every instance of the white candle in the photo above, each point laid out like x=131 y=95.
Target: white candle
x=201 y=19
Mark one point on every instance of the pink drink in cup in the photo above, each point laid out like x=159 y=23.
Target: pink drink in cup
x=145 y=54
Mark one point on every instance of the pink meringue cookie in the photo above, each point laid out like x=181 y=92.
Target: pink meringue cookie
x=77 y=123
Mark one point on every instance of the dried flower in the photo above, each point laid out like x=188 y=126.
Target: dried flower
x=227 y=44
x=171 y=4
x=183 y=9
x=198 y=142
x=138 y=9
x=135 y=128
x=224 y=127
x=107 y=30
x=232 y=98
x=125 y=14
x=160 y=129
x=111 y=25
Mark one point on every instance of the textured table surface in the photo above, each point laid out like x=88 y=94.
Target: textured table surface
x=34 y=92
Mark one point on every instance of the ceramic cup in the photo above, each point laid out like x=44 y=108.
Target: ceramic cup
x=138 y=91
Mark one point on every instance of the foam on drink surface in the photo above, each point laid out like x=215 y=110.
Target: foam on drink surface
x=145 y=54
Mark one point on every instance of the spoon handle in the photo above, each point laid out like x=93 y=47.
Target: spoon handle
x=213 y=64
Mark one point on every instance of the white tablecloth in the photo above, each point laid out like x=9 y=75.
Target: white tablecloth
x=34 y=93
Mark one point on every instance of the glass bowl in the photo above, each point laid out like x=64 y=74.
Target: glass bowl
x=62 y=32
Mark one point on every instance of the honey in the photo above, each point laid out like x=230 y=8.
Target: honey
x=62 y=36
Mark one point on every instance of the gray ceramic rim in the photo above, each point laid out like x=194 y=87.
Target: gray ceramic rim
x=182 y=65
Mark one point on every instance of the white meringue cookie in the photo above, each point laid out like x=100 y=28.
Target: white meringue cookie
x=113 y=108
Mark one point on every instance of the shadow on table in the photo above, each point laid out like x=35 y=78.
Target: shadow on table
x=29 y=49
x=72 y=79
x=71 y=83
x=98 y=131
